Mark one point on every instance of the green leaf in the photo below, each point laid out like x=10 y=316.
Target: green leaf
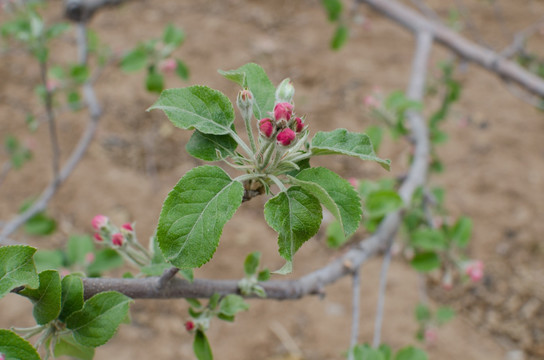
x=77 y=248
x=252 y=263
x=428 y=239
x=263 y=275
x=46 y=298
x=254 y=78
x=341 y=192
x=461 y=231
x=71 y=296
x=335 y=235
x=173 y=36
x=340 y=37
x=232 y=304
x=375 y=133
x=154 y=82
x=296 y=216
x=444 y=314
x=333 y=8
x=104 y=260
x=411 y=353
x=79 y=73
x=343 y=142
x=197 y=107
x=182 y=70
x=155 y=269
x=14 y=347
x=67 y=346
x=40 y=225
x=17 y=268
x=205 y=146
x=48 y=260
x=99 y=318
x=365 y=352
x=56 y=30
x=194 y=213
x=214 y=301
x=386 y=351
x=425 y=261
x=134 y=60
x=381 y=202
x=201 y=346
x=422 y=313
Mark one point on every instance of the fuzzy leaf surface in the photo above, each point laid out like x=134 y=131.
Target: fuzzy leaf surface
x=17 y=268
x=71 y=296
x=46 y=298
x=344 y=196
x=253 y=77
x=99 y=318
x=295 y=215
x=67 y=346
x=194 y=213
x=197 y=107
x=204 y=146
x=343 y=142
x=14 y=347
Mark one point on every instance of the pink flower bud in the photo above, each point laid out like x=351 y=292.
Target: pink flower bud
x=283 y=111
x=97 y=237
x=89 y=257
x=99 y=221
x=447 y=281
x=64 y=272
x=51 y=85
x=127 y=227
x=168 y=65
x=475 y=270
x=189 y=325
x=430 y=335
x=354 y=182
x=2 y=356
x=371 y=102
x=286 y=137
x=266 y=127
x=299 y=124
x=117 y=239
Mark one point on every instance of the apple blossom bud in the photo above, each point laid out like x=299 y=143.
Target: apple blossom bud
x=89 y=257
x=99 y=222
x=167 y=66
x=371 y=102
x=430 y=335
x=266 y=128
x=117 y=239
x=244 y=101
x=2 y=356
x=283 y=112
x=285 y=91
x=299 y=125
x=354 y=182
x=286 y=137
x=97 y=237
x=189 y=325
x=127 y=227
x=51 y=85
x=64 y=272
x=475 y=270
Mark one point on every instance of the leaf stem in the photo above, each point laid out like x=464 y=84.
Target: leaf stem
x=242 y=144
x=247 y=121
x=277 y=182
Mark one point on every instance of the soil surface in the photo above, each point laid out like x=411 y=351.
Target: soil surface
x=494 y=162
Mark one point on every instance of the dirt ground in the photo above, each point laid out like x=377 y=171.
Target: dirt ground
x=494 y=173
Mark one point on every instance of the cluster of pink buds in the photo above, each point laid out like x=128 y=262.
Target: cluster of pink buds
x=475 y=270
x=284 y=126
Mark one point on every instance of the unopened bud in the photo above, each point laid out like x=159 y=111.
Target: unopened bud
x=283 y=112
x=189 y=325
x=430 y=335
x=97 y=237
x=2 y=356
x=245 y=103
x=475 y=270
x=89 y=257
x=127 y=227
x=285 y=91
x=354 y=182
x=266 y=128
x=99 y=222
x=117 y=239
x=168 y=65
x=299 y=125
x=286 y=137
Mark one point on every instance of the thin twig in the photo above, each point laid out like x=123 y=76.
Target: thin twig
x=355 y=306
x=6 y=167
x=426 y=10
x=381 y=297
x=521 y=37
x=472 y=28
x=166 y=276
x=486 y=58
x=51 y=121
x=73 y=160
